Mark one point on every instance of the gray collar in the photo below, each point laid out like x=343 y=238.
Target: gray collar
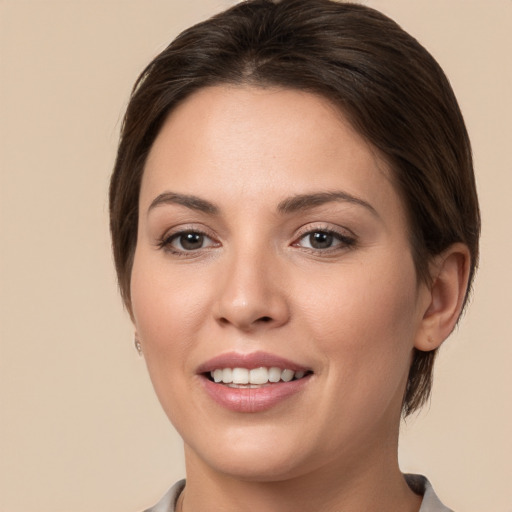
x=418 y=483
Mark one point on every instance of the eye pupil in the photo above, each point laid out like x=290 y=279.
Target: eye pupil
x=191 y=241
x=320 y=240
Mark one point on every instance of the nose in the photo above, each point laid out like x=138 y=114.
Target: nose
x=252 y=294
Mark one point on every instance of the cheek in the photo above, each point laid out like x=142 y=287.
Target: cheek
x=168 y=310
x=364 y=322
x=168 y=307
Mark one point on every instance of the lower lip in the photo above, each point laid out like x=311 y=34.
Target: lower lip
x=253 y=399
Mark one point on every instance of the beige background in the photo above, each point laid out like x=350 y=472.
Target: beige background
x=80 y=428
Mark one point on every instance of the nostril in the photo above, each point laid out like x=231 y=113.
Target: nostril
x=247 y=319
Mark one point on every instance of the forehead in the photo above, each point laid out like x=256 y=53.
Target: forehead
x=262 y=143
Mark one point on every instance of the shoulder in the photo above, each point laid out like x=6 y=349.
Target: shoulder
x=420 y=485
x=168 y=501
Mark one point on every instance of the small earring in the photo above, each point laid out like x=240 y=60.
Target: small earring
x=138 y=346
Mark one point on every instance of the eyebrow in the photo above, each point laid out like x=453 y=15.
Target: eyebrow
x=309 y=201
x=192 y=202
x=288 y=205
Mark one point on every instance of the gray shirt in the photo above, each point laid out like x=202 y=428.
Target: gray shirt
x=419 y=484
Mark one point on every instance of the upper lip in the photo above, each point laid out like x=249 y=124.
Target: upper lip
x=249 y=361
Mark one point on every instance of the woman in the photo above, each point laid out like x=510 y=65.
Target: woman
x=295 y=229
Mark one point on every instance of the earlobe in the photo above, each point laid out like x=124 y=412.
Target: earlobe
x=136 y=342
x=450 y=274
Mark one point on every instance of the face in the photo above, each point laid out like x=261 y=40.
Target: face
x=273 y=287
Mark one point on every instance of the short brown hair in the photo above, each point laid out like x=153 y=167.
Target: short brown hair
x=390 y=88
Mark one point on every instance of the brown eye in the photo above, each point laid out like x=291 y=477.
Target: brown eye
x=187 y=241
x=321 y=240
x=190 y=241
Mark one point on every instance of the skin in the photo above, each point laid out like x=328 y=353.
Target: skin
x=352 y=312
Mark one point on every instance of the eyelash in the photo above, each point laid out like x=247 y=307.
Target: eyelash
x=165 y=243
x=344 y=241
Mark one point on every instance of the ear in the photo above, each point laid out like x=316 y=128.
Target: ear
x=137 y=343
x=447 y=290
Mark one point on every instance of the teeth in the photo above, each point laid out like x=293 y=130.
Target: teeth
x=287 y=375
x=274 y=374
x=258 y=376
x=242 y=377
x=227 y=375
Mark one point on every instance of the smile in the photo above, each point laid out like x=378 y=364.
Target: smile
x=254 y=382
x=254 y=378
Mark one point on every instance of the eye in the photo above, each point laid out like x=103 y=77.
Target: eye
x=324 y=239
x=319 y=240
x=187 y=241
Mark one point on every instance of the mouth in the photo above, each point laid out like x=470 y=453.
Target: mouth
x=244 y=378
x=255 y=382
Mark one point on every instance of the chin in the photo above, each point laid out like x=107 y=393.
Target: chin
x=259 y=469
x=254 y=457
